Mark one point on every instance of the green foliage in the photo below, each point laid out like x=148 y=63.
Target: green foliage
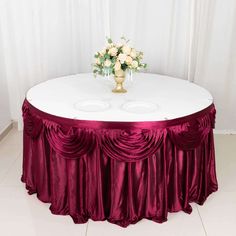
x=109 y=40
x=124 y=66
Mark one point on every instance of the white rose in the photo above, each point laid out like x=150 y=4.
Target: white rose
x=122 y=58
x=117 y=66
x=134 y=64
x=133 y=53
x=126 y=49
x=107 y=63
x=113 y=51
x=128 y=60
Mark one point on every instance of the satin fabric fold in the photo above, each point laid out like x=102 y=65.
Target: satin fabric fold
x=119 y=171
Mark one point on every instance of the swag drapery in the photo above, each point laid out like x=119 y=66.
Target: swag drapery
x=119 y=171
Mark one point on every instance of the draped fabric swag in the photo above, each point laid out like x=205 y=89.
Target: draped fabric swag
x=119 y=171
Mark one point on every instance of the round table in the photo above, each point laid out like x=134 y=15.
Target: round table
x=163 y=97
x=95 y=154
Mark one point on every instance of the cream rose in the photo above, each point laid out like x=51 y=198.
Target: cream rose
x=103 y=51
x=134 y=64
x=122 y=58
x=107 y=63
x=126 y=49
x=110 y=45
x=133 y=53
x=113 y=51
x=117 y=66
x=128 y=60
x=97 y=61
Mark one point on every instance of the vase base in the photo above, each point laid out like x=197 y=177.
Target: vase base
x=119 y=90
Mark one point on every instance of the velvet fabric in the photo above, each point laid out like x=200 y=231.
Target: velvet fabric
x=119 y=171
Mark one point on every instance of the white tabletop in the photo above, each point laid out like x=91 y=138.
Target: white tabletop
x=150 y=97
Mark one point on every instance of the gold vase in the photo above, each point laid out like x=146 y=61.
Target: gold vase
x=119 y=79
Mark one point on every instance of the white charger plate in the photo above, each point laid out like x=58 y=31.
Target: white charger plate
x=139 y=107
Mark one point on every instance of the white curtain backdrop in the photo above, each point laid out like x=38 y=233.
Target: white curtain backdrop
x=214 y=56
x=46 y=39
x=189 y=39
x=160 y=28
x=5 y=118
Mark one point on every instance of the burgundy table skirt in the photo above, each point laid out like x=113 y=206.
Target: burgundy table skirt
x=119 y=171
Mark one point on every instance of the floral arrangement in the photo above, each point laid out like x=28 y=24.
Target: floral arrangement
x=117 y=58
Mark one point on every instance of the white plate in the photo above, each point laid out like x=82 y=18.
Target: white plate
x=92 y=105
x=139 y=107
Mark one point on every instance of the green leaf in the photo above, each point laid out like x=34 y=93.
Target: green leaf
x=109 y=40
x=123 y=67
x=107 y=56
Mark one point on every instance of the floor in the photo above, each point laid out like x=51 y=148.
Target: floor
x=21 y=214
